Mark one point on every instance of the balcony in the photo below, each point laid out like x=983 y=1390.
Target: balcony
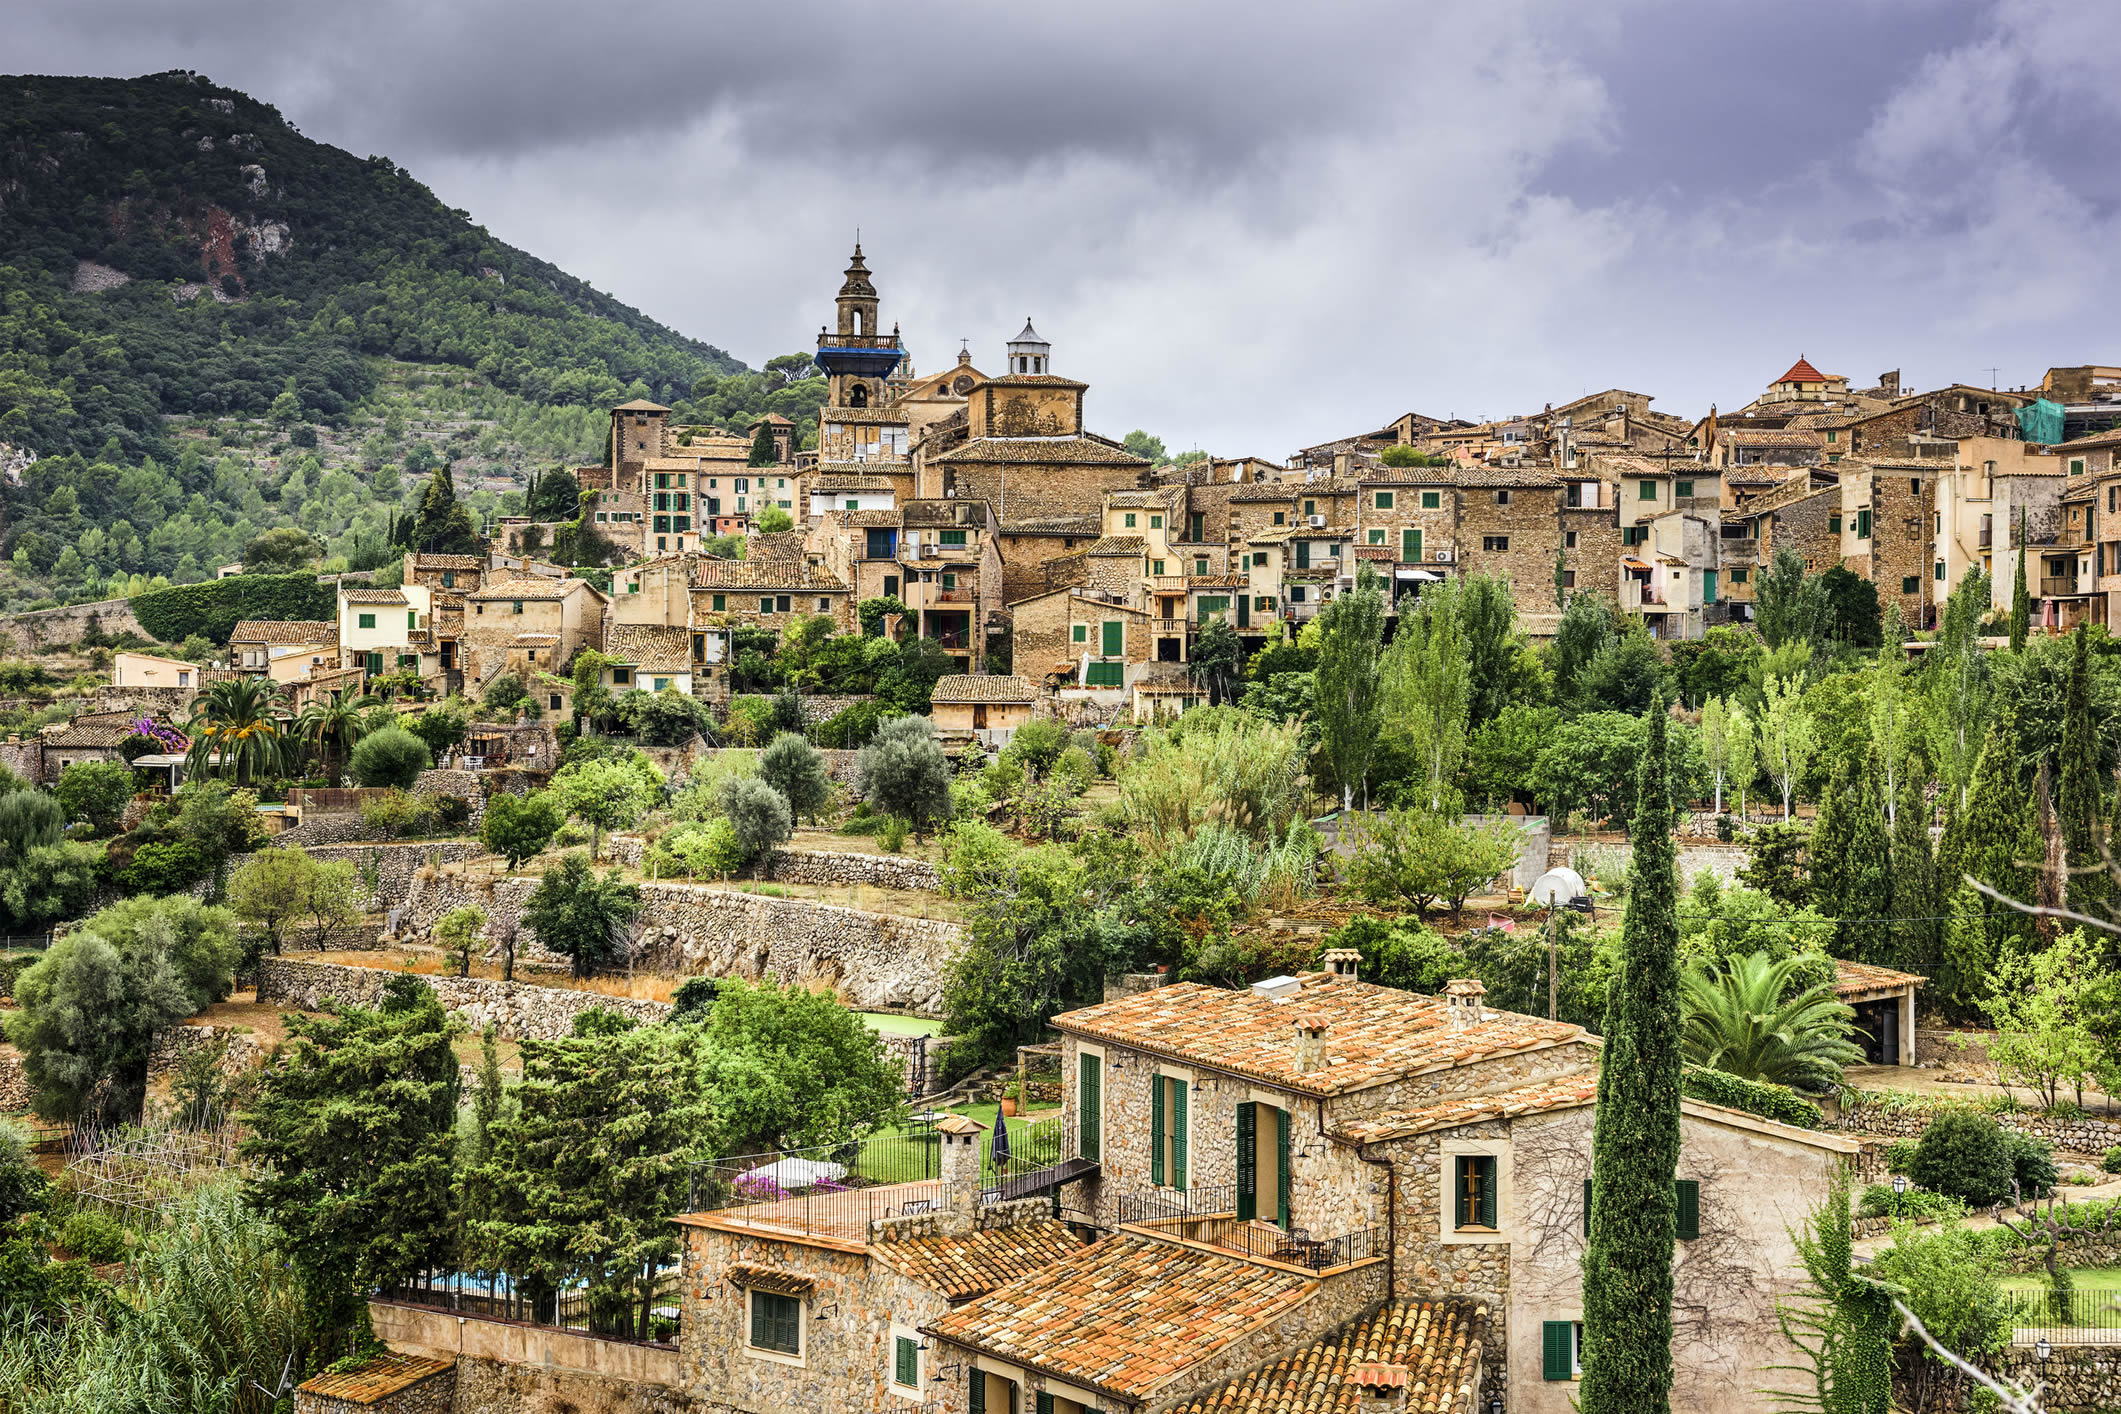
x=2059 y=586
x=1167 y=625
x=955 y=642
x=1209 y=1215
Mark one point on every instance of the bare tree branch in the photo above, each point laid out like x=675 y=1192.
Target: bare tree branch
x=2011 y=1397
x=2042 y=910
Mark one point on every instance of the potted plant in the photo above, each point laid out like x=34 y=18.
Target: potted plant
x=1010 y=1105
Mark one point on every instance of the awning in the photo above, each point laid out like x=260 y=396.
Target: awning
x=1634 y=565
x=1416 y=574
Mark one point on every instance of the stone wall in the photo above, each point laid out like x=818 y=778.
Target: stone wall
x=464 y=785
x=519 y=1010
x=881 y=961
x=42 y=628
x=839 y=869
x=244 y=1051
x=535 y=1369
x=15 y=1090
x=2080 y=1379
x=486 y=1386
x=2076 y=1136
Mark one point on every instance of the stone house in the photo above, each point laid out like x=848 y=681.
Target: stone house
x=952 y=567
x=1346 y=1125
x=530 y=625
x=769 y=593
x=455 y=574
x=650 y=657
x=818 y=1302
x=846 y=489
x=1043 y=553
x=153 y=670
x=980 y=702
x=285 y=650
x=383 y=630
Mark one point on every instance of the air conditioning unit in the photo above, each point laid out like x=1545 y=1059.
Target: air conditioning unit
x=1442 y=557
x=1317 y=522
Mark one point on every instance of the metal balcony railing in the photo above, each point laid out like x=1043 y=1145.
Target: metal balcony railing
x=1209 y=1214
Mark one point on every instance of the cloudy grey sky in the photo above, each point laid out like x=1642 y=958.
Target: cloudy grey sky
x=1250 y=226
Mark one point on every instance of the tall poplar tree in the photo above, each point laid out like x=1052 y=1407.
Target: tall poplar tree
x=1346 y=685
x=2078 y=799
x=2021 y=602
x=1627 y=1270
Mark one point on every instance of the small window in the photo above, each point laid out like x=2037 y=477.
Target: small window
x=824 y=605
x=449 y=577
x=1156 y=522
x=1738 y=576
x=1156 y=566
x=1130 y=520
x=906 y=1362
x=780 y=603
x=1473 y=1192
x=1646 y=491
x=776 y=1323
x=766 y=605
x=2076 y=466
x=1832 y=435
x=1384 y=500
x=1940 y=571
x=1568 y=539
x=1683 y=488
x=1568 y=579
x=621 y=677
x=1561 y=1350
x=1431 y=500
x=1502 y=498
x=949 y=581
x=554 y=702
x=957 y=537
x=367 y=621
x=1079 y=633
x=1494 y=543
x=1377 y=537
x=1686 y=1212
x=721 y=603
x=1833 y=525
x=1200 y=565
x=1310 y=508
x=1281 y=517
x=633 y=586
x=1911 y=584
x=1863 y=525
x=515 y=606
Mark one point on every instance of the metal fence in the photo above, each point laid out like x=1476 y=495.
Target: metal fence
x=496 y=1296
x=2074 y=1317
x=1209 y=1214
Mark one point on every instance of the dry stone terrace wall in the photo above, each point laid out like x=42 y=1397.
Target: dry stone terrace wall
x=817 y=866
x=394 y=865
x=520 y=1011
x=2076 y=1136
x=874 y=961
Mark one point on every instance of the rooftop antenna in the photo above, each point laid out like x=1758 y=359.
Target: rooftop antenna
x=1992 y=379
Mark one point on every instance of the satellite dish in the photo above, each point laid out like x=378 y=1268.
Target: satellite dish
x=1557 y=888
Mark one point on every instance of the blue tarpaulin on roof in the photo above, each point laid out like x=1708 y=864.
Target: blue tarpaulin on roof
x=2041 y=421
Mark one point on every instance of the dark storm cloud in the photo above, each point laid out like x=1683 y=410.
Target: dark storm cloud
x=1253 y=226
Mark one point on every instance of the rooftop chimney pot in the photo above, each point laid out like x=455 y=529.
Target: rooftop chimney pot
x=1463 y=999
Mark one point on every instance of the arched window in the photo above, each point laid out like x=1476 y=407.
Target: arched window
x=859 y=397
x=858 y=324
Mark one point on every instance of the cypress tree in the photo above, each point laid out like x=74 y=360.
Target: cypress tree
x=1916 y=903
x=1867 y=876
x=1627 y=1270
x=763 y=452
x=2021 y=602
x=1966 y=954
x=1999 y=839
x=1833 y=838
x=2078 y=804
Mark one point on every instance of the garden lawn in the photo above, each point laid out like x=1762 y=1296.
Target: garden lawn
x=2082 y=1278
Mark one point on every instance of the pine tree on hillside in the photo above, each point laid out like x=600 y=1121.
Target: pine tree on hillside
x=2079 y=799
x=1916 y=902
x=763 y=452
x=2021 y=602
x=1999 y=840
x=1627 y=1271
x=444 y=527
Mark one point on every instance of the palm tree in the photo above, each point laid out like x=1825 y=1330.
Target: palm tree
x=238 y=726
x=1746 y=1020
x=333 y=722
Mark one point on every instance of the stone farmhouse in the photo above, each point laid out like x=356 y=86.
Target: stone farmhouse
x=1316 y=1189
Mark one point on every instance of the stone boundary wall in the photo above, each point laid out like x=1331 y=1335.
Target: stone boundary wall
x=245 y=1052
x=2076 y=1136
x=833 y=868
x=15 y=1090
x=522 y=1011
x=395 y=863
x=41 y=628
x=873 y=961
x=2080 y=1379
x=423 y=1330
x=436 y=782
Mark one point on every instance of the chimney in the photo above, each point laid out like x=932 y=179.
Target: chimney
x=1308 y=1053
x=1342 y=962
x=1381 y=1386
x=1463 y=996
x=959 y=1136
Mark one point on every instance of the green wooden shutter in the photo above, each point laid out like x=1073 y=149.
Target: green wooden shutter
x=1045 y=1403
x=1247 y=1161
x=1115 y=635
x=1089 y=1105
x=1461 y=1211
x=1487 y=1193
x=1281 y=1168
x=761 y=1322
x=1587 y=1207
x=1178 y=1135
x=1557 y=1355
x=1687 y=1217
x=1156 y=1129
x=1410 y=545
x=908 y=1371
x=979 y=1392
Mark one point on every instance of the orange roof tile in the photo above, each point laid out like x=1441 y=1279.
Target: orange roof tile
x=1432 y=1349
x=377 y=1380
x=1373 y=1034
x=1569 y=1092
x=1864 y=977
x=1127 y=1315
x=1802 y=372
x=964 y=1267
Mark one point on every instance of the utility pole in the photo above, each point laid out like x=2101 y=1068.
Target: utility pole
x=1553 y=970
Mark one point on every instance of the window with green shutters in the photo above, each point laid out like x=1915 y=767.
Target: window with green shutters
x=1474 y=1191
x=1247 y=1161
x=1410 y=545
x=978 y=1392
x=1683 y=488
x=1079 y=633
x=1113 y=674
x=1130 y=521
x=721 y=603
x=366 y=620
x=953 y=537
x=1686 y=1219
x=1560 y=1344
x=412 y=618
x=1646 y=491
x=776 y=1323
x=1281 y=1169
x=1045 y=1403
x=1089 y=1107
x=1431 y=500
x=1384 y=500
x=1863 y=524
x=765 y=606
x=1167 y=1131
x=1113 y=638
x=906 y=1362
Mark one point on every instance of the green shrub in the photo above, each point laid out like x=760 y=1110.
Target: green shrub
x=1776 y=1102
x=392 y=757
x=891 y=831
x=2032 y=1164
x=2112 y=1162
x=398 y=814
x=1880 y=1201
x=1037 y=745
x=503 y=692
x=93 y=1235
x=454 y=811
x=164 y=867
x=1967 y=1156
x=1898 y=1155
x=214 y=607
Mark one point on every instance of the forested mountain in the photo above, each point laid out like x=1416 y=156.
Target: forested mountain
x=211 y=325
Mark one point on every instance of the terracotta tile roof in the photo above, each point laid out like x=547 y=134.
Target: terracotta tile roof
x=91 y=729
x=865 y=519
x=848 y=476
x=448 y=562
x=774 y=545
x=539 y=588
x=640 y=405
x=763 y=574
x=1374 y=1034
x=1085 y=451
x=1126 y=1316
x=1567 y=1093
x=1128 y=500
x=1851 y=977
x=983 y=687
x=1052 y=525
x=754 y=1277
x=1766 y=437
x=377 y=1380
x=371 y=596
x=1508 y=476
x=1430 y=1348
x=1120 y=545
x=2090 y=442
x=1036 y=380
x=964 y=1267
x=1802 y=372
x=296 y=631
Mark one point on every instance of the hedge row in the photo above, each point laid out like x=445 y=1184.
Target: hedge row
x=1775 y=1102
x=214 y=607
